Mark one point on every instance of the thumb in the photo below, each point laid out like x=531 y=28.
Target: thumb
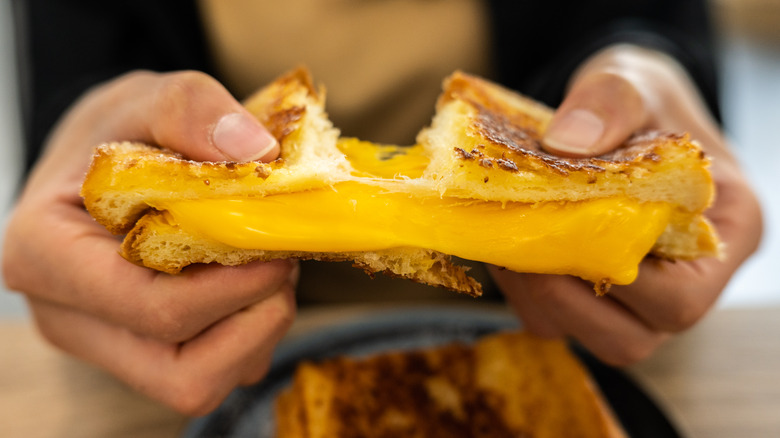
x=193 y=114
x=599 y=113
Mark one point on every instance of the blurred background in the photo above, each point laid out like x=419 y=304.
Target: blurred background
x=750 y=73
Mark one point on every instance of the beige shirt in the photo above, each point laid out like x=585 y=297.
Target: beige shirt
x=382 y=61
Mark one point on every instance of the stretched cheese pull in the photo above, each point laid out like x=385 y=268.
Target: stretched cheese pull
x=605 y=239
x=476 y=186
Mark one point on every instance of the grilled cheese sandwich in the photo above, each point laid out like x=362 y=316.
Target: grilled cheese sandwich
x=476 y=186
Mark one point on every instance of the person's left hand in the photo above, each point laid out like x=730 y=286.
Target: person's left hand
x=615 y=93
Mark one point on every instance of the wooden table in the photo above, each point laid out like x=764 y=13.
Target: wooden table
x=720 y=379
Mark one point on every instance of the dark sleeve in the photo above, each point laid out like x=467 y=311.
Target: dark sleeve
x=67 y=46
x=538 y=45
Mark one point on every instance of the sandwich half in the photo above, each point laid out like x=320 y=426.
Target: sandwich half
x=508 y=384
x=477 y=185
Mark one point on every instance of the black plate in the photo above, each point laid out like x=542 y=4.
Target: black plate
x=248 y=412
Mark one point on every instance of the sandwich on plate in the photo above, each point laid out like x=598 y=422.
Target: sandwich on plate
x=476 y=186
x=507 y=384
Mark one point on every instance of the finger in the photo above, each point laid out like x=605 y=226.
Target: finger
x=193 y=114
x=188 y=112
x=599 y=113
x=522 y=302
x=672 y=296
x=248 y=334
x=600 y=324
x=193 y=377
x=99 y=281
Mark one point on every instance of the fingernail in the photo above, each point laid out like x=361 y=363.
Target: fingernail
x=241 y=138
x=576 y=132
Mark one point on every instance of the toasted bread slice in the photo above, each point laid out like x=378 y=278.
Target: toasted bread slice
x=157 y=243
x=482 y=130
x=485 y=143
x=505 y=385
x=482 y=147
x=126 y=178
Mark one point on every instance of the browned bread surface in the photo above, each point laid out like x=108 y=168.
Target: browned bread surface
x=156 y=243
x=486 y=144
x=483 y=143
x=505 y=385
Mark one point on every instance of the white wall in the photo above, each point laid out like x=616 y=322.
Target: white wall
x=10 y=139
x=751 y=106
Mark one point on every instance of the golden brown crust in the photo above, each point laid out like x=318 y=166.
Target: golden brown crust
x=118 y=202
x=484 y=143
x=507 y=384
x=526 y=119
x=510 y=134
x=155 y=243
x=272 y=105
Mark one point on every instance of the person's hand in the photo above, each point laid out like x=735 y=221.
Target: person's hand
x=616 y=92
x=186 y=340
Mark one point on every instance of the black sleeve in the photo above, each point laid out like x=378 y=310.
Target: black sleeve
x=538 y=45
x=67 y=46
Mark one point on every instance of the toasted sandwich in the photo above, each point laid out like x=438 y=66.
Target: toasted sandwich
x=505 y=385
x=477 y=186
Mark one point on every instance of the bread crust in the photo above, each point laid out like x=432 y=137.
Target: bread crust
x=156 y=243
x=484 y=143
x=506 y=384
x=498 y=147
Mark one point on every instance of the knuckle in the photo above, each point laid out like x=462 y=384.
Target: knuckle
x=175 y=98
x=257 y=373
x=282 y=311
x=193 y=396
x=684 y=315
x=288 y=310
x=187 y=80
x=629 y=353
x=553 y=290
x=13 y=269
x=543 y=329
x=48 y=333
x=115 y=92
x=615 y=91
x=10 y=273
x=177 y=90
x=137 y=76
x=165 y=322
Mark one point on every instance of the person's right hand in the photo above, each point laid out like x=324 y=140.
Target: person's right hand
x=186 y=340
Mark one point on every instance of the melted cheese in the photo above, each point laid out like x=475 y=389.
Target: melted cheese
x=384 y=161
x=599 y=239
